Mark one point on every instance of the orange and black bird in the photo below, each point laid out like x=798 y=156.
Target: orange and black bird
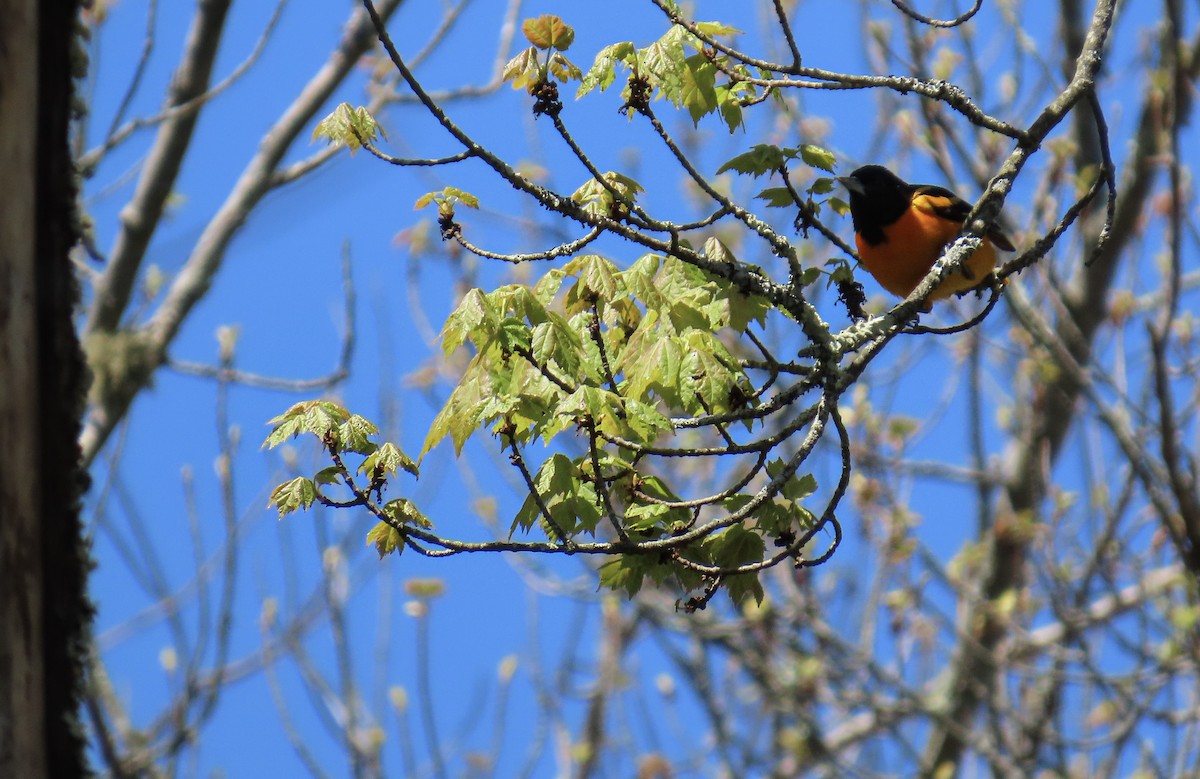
x=900 y=230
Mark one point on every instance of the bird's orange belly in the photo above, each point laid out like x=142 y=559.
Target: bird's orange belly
x=913 y=244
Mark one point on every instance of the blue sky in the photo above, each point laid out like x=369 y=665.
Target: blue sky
x=281 y=286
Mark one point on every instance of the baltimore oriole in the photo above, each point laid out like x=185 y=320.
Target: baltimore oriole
x=900 y=230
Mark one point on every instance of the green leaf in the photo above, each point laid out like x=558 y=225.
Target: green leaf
x=651 y=364
x=795 y=488
x=628 y=572
x=328 y=475
x=475 y=318
x=734 y=547
x=461 y=196
x=309 y=416
x=821 y=186
x=596 y=198
x=734 y=503
x=612 y=465
x=688 y=80
x=324 y=416
x=299 y=493
x=548 y=32
x=563 y=69
x=603 y=408
x=689 y=292
x=572 y=503
x=816 y=157
x=349 y=126
x=446 y=200
x=548 y=285
x=513 y=334
x=743 y=586
x=697 y=88
x=730 y=106
x=555 y=478
x=716 y=250
x=532 y=396
x=708 y=372
x=385 y=538
x=286 y=425
x=841 y=207
x=613 y=328
x=493 y=408
x=700 y=301
x=802 y=517
x=645 y=422
x=646 y=517
x=354 y=435
x=692 y=298
x=800 y=487
x=604 y=68
x=583 y=402
x=403 y=510
x=762 y=158
x=524 y=70
x=639 y=279
x=717 y=29
x=554 y=342
x=457 y=418
x=663 y=61
x=742 y=309
x=389 y=460
x=773 y=517
x=777 y=197
x=808 y=276
x=622 y=573
x=655 y=487
x=598 y=281
x=520 y=301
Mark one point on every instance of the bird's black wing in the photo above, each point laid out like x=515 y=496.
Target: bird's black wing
x=950 y=206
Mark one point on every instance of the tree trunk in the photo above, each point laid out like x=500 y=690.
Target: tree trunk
x=43 y=610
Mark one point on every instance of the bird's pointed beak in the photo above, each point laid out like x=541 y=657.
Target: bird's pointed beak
x=852 y=184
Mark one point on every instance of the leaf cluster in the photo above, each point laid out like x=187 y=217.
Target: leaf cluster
x=680 y=69
x=599 y=368
x=342 y=433
x=677 y=67
x=549 y=36
x=621 y=395
x=349 y=126
x=623 y=347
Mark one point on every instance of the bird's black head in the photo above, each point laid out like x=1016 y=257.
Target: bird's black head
x=877 y=197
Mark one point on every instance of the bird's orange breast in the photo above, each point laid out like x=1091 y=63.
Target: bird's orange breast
x=912 y=245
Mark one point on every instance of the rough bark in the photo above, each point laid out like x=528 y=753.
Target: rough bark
x=43 y=609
